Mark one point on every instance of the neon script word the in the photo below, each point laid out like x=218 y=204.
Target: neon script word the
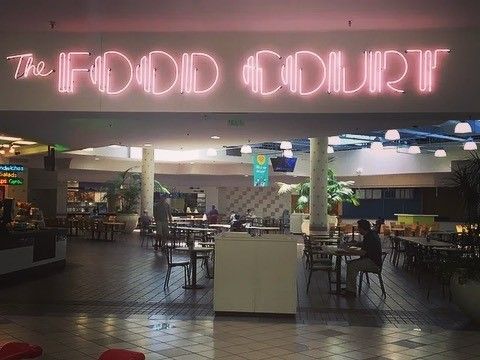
x=113 y=72
x=380 y=71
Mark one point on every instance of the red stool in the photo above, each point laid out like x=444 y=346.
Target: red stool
x=19 y=351
x=117 y=354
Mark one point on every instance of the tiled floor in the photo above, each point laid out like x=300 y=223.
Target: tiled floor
x=111 y=295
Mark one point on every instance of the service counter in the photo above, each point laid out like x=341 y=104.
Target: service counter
x=26 y=252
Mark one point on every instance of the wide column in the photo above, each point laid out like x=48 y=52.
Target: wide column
x=148 y=180
x=318 y=184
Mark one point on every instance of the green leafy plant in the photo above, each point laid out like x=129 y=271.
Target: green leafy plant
x=337 y=192
x=125 y=190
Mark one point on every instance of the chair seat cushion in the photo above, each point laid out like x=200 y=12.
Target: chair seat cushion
x=120 y=354
x=18 y=350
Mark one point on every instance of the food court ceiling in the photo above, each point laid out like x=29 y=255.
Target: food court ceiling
x=234 y=15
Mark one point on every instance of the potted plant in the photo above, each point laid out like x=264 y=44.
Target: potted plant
x=123 y=196
x=465 y=282
x=337 y=193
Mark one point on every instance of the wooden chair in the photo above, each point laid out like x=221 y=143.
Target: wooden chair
x=317 y=260
x=378 y=272
x=185 y=264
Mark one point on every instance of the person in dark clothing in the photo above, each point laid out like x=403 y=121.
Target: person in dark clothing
x=236 y=225
x=370 y=253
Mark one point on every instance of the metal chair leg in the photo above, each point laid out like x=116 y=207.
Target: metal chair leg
x=381 y=285
x=368 y=279
x=360 y=283
x=309 y=279
x=167 y=278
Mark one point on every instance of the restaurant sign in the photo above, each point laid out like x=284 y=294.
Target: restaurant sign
x=260 y=170
x=262 y=72
x=9 y=174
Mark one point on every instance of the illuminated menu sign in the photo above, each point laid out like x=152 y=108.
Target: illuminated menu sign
x=9 y=174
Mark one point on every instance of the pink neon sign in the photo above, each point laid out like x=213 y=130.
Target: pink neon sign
x=264 y=73
x=382 y=71
x=116 y=79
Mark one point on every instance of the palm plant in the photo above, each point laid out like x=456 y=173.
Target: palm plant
x=125 y=190
x=337 y=192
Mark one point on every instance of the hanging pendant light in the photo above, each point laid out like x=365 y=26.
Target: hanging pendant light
x=288 y=153
x=470 y=145
x=334 y=140
x=246 y=149
x=376 y=145
x=414 y=149
x=330 y=150
x=463 y=127
x=285 y=145
x=440 y=153
x=392 y=135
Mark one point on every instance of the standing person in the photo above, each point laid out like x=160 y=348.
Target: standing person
x=163 y=215
x=212 y=215
x=370 y=256
x=232 y=216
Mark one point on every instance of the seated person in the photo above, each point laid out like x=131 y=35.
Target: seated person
x=236 y=225
x=370 y=253
x=145 y=221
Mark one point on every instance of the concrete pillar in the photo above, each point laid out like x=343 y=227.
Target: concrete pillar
x=318 y=184
x=148 y=180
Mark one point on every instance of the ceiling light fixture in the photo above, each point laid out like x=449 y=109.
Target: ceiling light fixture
x=376 y=145
x=114 y=146
x=147 y=145
x=470 y=145
x=414 y=149
x=463 y=127
x=392 y=135
x=330 y=150
x=25 y=142
x=334 y=140
x=440 y=153
x=97 y=158
x=12 y=150
x=215 y=137
x=285 y=145
x=246 y=149
x=88 y=149
x=10 y=138
x=288 y=153
x=211 y=152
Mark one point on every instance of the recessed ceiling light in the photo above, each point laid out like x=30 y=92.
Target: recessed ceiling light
x=88 y=149
x=25 y=142
x=245 y=175
x=97 y=158
x=215 y=137
x=147 y=145
x=114 y=146
x=334 y=140
x=9 y=138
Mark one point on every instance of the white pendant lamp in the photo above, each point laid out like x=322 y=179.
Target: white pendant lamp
x=440 y=153
x=376 y=145
x=246 y=149
x=334 y=140
x=285 y=145
x=470 y=145
x=392 y=135
x=414 y=149
x=211 y=152
x=463 y=127
x=288 y=153
x=330 y=150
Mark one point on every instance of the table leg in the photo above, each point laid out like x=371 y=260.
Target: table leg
x=338 y=270
x=111 y=234
x=193 y=264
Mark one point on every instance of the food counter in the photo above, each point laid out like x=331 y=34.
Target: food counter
x=410 y=219
x=31 y=251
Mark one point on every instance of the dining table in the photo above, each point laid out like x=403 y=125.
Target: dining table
x=425 y=242
x=262 y=229
x=110 y=227
x=189 y=230
x=339 y=253
x=193 y=252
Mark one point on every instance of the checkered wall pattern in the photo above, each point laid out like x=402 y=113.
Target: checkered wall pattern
x=265 y=201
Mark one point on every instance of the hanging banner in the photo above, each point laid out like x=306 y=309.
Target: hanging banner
x=260 y=170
